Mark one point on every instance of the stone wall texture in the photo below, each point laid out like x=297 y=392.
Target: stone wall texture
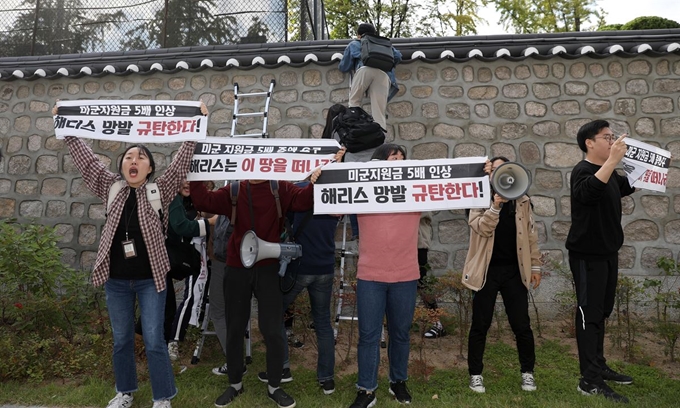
x=526 y=110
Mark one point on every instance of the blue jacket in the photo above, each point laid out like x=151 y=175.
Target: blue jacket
x=351 y=61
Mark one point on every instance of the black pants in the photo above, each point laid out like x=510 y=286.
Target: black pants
x=508 y=281
x=239 y=286
x=595 y=283
x=429 y=301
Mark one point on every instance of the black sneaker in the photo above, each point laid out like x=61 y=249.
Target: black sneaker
x=610 y=375
x=364 y=399
x=400 y=392
x=587 y=388
x=286 y=376
x=327 y=386
x=282 y=399
x=228 y=397
x=436 y=331
x=222 y=370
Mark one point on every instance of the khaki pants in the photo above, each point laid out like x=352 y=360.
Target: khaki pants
x=378 y=85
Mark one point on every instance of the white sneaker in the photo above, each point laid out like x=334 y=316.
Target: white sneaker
x=173 y=350
x=162 y=404
x=121 y=401
x=528 y=382
x=222 y=370
x=477 y=384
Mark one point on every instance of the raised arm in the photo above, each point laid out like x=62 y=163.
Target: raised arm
x=97 y=177
x=176 y=172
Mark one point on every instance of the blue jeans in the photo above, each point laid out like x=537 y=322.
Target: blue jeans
x=120 y=301
x=319 y=288
x=374 y=300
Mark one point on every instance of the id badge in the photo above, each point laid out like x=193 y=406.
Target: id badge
x=129 y=249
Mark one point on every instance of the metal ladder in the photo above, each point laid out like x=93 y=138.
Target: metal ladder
x=265 y=114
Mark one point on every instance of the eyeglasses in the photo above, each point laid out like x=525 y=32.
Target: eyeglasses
x=610 y=137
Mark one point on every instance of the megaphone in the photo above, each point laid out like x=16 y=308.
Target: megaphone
x=510 y=180
x=254 y=249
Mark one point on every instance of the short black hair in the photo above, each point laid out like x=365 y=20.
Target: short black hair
x=505 y=159
x=148 y=154
x=384 y=151
x=588 y=131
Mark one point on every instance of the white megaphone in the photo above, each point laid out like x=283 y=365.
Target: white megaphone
x=510 y=180
x=254 y=249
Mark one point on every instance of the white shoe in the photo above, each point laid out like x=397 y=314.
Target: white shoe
x=121 y=401
x=222 y=370
x=477 y=384
x=528 y=382
x=162 y=404
x=173 y=350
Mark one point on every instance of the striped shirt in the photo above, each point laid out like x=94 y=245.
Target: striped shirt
x=99 y=179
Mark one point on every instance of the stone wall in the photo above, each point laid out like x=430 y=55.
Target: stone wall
x=528 y=111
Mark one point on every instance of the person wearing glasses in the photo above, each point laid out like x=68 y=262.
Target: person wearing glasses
x=594 y=240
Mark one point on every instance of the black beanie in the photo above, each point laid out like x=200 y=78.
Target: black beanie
x=365 y=28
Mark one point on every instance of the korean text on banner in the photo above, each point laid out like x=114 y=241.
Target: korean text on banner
x=219 y=158
x=402 y=186
x=646 y=165
x=131 y=121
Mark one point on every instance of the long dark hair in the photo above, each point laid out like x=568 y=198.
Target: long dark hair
x=386 y=150
x=146 y=152
x=333 y=111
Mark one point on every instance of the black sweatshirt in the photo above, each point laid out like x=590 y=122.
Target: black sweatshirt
x=596 y=231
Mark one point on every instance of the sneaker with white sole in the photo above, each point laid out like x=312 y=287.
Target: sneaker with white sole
x=228 y=397
x=281 y=398
x=162 y=404
x=222 y=370
x=327 y=386
x=400 y=392
x=610 y=375
x=121 y=401
x=364 y=399
x=593 y=388
x=477 y=384
x=528 y=382
x=436 y=331
x=173 y=350
x=286 y=376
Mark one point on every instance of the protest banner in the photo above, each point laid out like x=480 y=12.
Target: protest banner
x=131 y=121
x=219 y=158
x=402 y=186
x=646 y=165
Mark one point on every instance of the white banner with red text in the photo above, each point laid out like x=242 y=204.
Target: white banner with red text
x=135 y=121
x=219 y=158
x=402 y=186
x=646 y=165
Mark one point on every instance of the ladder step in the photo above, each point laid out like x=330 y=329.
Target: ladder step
x=248 y=114
x=347 y=318
x=251 y=135
x=252 y=94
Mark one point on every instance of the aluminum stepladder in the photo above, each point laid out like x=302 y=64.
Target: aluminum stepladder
x=341 y=286
x=265 y=113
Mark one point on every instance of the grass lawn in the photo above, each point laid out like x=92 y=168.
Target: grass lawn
x=556 y=376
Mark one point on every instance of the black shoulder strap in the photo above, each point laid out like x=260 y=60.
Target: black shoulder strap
x=234 y=187
x=274 y=186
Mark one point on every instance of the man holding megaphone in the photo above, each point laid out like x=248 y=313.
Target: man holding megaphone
x=503 y=257
x=255 y=210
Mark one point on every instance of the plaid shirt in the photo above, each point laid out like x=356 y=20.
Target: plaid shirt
x=99 y=179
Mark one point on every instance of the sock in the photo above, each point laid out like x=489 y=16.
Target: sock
x=238 y=386
x=129 y=394
x=272 y=389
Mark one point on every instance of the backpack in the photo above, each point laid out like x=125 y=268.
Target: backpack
x=185 y=260
x=357 y=131
x=376 y=52
x=223 y=230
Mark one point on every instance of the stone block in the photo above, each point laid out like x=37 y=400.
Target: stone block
x=637 y=87
x=651 y=255
x=544 y=206
x=288 y=132
x=219 y=81
x=541 y=70
x=482 y=92
x=627 y=205
x=430 y=110
x=663 y=68
x=639 y=67
x=572 y=126
x=447 y=131
x=529 y=153
x=422 y=92
x=548 y=179
x=7 y=207
x=73 y=89
x=558 y=70
x=513 y=131
x=627 y=257
x=641 y=230
x=606 y=88
x=79 y=189
x=468 y=150
x=504 y=149
x=559 y=230
x=244 y=81
x=433 y=150
x=402 y=73
x=198 y=82
x=655 y=206
x=54 y=91
x=39 y=89
x=657 y=104
x=515 y=91
x=5 y=186
x=19 y=164
x=577 y=70
x=314 y=96
x=266 y=79
x=426 y=74
x=482 y=110
x=152 y=84
x=597 y=106
x=209 y=99
x=625 y=106
x=64 y=232
x=77 y=210
x=562 y=155
x=566 y=108
x=484 y=74
x=334 y=77
x=34 y=143
x=453 y=232
x=540 y=232
x=437 y=259
x=227 y=97
x=22 y=124
x=45 y=124
x=451 y=92
x=482 y=131
x=26 y=187
x=31 y=209
x=55 y=209
x=506 y=110
x=672 y=232
x=87 y=234
x=565 y=205
x=185 y=96
x=547 y=128
x=670 y=127
x=576 y=88
x=411 y=130
x=286 y=96
x=53 y=187
x=546 y=90
x=468 y=74
x=177 y=83
x=299 y=112
x=19 y=107
x=458 y=110
x=402 y=109
x=87 y=260
x=311 y=77
x=666 y=85
x=340 y=95
x=503 y=73
x=596 y=70
x=449 y=74
x=221 y=116
x=535 y=109
x=522 y=72
x=4 y=126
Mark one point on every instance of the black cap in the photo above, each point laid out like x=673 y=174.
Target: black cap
x=365 y=28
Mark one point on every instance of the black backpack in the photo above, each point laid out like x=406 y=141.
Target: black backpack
x=223 y=230
x=376 y=52
x=357 y=131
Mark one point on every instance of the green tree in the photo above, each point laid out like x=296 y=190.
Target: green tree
x=182 y=23
x=447 y=17
x=58 y=27
x=650 y=23
x=545 y=16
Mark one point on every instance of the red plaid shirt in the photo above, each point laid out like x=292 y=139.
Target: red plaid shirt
x=99 y=179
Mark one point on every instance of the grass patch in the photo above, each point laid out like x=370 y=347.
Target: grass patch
x=556 y=376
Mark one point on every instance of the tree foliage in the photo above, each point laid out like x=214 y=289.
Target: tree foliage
x=62 y=28
x=650 y=23
x=404 y=18
x=184 y=23
x=545 y=16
